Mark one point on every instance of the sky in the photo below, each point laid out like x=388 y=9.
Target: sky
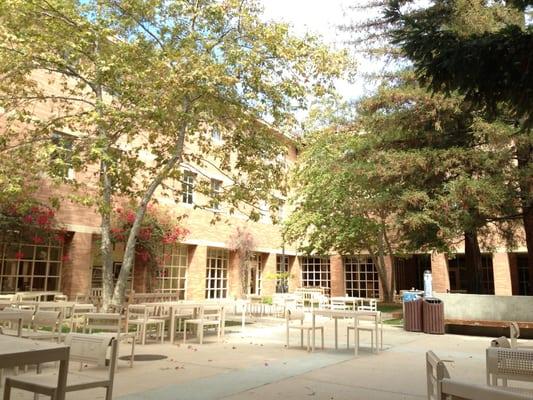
x=322 y=17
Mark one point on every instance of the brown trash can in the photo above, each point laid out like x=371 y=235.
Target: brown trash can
x=412 y=315
x=433 y=311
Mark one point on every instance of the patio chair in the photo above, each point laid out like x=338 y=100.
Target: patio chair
x=509 y=364
x=140 y=316
x=109 y=324
x=208 y=316
x=83 y=348
x=181 y=313
x=440 y=386
x=77 y=315
x=365 y=326
x=291 y=315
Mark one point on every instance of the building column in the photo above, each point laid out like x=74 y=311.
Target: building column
x=502 y=274
x=234 y=276
x=197 y=273
x=439 y=272
x=338 y=287
x=76 y=273
x=268 y=275
x=295 y=276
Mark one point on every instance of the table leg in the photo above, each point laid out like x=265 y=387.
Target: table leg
x=314 y=333
x=356 y=335
x=377 y=333
x=172 y=325
x=62 y=376
x=336 y=335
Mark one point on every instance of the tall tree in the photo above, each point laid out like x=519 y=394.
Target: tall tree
x=144 y=84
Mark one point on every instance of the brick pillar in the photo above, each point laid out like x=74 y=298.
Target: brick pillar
x=76 y=274
x=295 y=278
x=338 y=287
x=268 y=277
x=439 y=272
x=196 y=273
x=514 y=273
x=234 y=278
x=502 y=274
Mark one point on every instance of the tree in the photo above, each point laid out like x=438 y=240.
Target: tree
x=243 y=243
x=143 y=84
x=483 y=50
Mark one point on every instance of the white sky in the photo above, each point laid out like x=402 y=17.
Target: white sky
x=322 y=17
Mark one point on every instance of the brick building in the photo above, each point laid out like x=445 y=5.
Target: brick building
x=203 y=266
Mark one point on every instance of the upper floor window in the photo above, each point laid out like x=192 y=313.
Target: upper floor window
x=61 y=157
x=187 y=187
x=216 y=135
x=216 y=190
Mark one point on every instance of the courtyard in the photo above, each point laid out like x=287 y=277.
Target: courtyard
x=255 y=364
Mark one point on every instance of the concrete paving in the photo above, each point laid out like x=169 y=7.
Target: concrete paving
x=255 y=364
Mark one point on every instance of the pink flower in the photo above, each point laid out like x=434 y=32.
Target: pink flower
x=28 y=219
x=19 y=255
x=65 y=258
x=130 y=217
x=37 y=239
x=42 y=219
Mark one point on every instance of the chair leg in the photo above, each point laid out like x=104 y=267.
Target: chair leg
x=301 y=338
x=308 y=339
x=7 y=389
x=348 y=337
x=201 y=333
x=109 y=393
x=184 y=331
x=322 y=336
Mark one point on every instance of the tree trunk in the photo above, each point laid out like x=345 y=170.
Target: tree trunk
x=382 y=271
x=524 y=155
x=473 y=262
x=106 y=245
x=129 y=251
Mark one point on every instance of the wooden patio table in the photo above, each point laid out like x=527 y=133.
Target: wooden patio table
x=18 y=352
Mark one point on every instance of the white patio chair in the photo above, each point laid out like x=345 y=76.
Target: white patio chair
x=303 y=326
x=440 y=386
x=208 y=316
x=509 y=364
x=109 y=324
x=140 y=316
x=83 y=348
x=367 y=325
x=77 y=315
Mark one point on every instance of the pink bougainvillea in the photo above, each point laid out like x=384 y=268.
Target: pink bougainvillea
x=157 y=229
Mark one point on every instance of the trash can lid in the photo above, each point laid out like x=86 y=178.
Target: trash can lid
x=433 y=300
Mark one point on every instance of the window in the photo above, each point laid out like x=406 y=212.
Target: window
x=216 y=285
x=282 y=274
x=29 y=267
x=255 y=273
x=458 y=274
x=97 y=276
x=172 y=275
x=361 y=277
x=263 y=211
x=61 y=158
x=316 y=272
x=187 y=187
x=215 y=135
x=216 y=190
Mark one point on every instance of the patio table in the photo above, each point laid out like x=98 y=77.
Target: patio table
x=336 y=314
x=18 y=352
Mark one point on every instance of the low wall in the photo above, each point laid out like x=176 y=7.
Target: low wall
x=486 y=307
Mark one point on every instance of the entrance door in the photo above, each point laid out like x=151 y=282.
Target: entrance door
x=254 y=275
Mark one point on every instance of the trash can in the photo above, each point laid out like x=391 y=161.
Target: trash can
x=412 y=312
x=433 y=311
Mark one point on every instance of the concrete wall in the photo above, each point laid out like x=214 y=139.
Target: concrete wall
x=487 y=307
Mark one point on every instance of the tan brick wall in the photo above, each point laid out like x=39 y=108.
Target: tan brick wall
x=196 y=273
x=502 y=274
x=337 y=276
x=295 y=277
x=439 y=272
x=268 y=278
x=76 y=273
x=234 y=279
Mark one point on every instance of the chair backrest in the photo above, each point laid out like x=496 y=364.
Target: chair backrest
x=212 y=312
x=92 y=349
x=293 y=315
x=436 y=371
x=60 y=297
x=26 y=316
x=510 y=364
x=139 y=311
x=367 y=305
x=7 y=297
x=337 y=304
x=514 y=333
x=47 y=319
x=104 y=322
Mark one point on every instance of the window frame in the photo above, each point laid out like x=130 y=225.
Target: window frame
x=216 y=274
x=187 y=187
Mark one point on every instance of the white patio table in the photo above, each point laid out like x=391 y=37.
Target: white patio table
x=18 y=352
x=336 y=314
